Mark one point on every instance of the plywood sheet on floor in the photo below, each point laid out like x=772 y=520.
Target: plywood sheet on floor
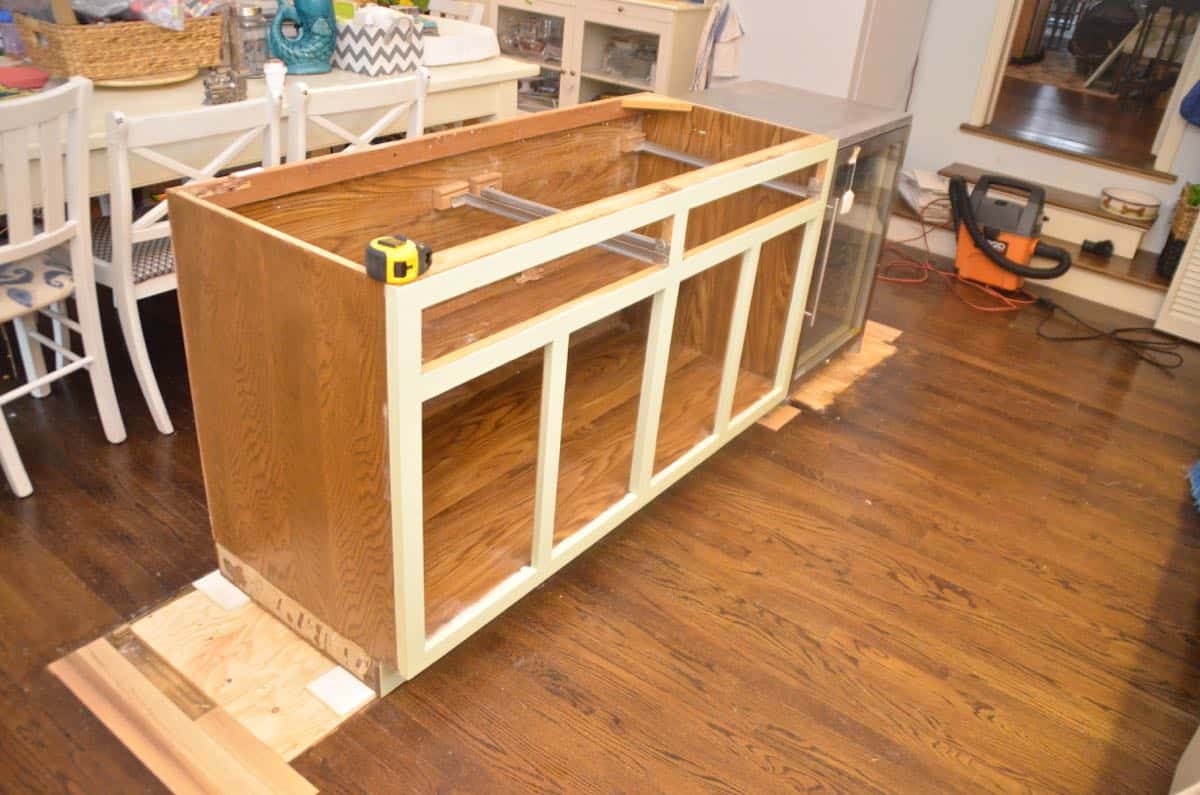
x=249 y=663
x=821 y=388
x=210 y=699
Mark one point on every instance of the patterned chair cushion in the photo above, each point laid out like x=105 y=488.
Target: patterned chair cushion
x=33 y=283
x=150 y=258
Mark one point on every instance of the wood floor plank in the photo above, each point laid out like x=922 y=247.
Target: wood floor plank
x=166 y=740
x=264 y=763
x=182 y=692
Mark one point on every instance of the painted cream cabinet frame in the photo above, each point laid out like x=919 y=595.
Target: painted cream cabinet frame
x=411 y=383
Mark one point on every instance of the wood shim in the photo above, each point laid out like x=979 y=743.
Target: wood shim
x=781 y=416
x=822 y=386
x=209 y=699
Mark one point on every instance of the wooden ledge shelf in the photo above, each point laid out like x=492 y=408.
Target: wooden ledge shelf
x=389 y=467
x=1146 y=173
x=1055 y=196
x=1141 y=269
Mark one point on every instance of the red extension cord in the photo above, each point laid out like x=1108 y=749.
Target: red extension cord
x=919 y=271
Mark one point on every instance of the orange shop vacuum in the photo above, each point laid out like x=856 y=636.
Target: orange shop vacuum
x=998 y=238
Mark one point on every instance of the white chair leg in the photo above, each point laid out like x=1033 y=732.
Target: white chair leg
x=61 y=335
x=10 y=461
x=88 y=310
x=135 y=343
x=31 y=353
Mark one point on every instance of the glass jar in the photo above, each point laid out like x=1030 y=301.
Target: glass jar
x=250 y=49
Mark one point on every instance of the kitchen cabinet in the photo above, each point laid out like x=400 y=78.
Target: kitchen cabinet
x=592 y=49
x=615 y=294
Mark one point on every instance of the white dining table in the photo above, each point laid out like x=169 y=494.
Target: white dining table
x=483 y=90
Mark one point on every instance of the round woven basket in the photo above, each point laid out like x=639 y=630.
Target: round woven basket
x=120 y=49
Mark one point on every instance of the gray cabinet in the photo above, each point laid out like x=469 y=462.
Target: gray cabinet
x=854 y=233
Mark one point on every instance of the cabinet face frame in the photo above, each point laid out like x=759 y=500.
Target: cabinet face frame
x=411 y=382
x=209 y=219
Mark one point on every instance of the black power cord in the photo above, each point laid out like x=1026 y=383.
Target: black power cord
x=1148 y=344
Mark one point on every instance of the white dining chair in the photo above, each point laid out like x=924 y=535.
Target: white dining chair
x=393 y=97
x=36 y=274
x=457 y=9
x=133 y=252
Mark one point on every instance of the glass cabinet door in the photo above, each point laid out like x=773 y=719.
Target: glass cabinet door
x=538 y=37
x=617 y=59
x=852 y=240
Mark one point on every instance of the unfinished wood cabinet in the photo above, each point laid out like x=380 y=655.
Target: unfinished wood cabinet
x=615 y=293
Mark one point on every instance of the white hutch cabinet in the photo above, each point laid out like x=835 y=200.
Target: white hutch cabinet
x=590 y=49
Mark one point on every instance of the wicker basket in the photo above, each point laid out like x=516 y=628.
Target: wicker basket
x=120 y=49
x=1182 y=223
x=1185 y=215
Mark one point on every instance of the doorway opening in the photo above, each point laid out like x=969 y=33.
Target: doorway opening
x=1094 y=78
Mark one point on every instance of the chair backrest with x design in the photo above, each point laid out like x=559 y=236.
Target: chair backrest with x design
x=145 y=137
x=315 y=105
x=464 y=10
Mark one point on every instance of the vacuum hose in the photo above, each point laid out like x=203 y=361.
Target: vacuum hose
x=960 y=208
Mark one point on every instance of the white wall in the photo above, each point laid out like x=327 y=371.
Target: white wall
x=808 y=44
x=888 y=48
x=952 y=54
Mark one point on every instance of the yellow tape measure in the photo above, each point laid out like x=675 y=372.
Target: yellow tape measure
x=394 y=259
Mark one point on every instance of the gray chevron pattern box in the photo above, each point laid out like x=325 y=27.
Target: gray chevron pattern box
x=374 y=51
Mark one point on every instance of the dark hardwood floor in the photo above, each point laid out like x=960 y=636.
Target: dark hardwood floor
x=978 y=572
x=1077 y=123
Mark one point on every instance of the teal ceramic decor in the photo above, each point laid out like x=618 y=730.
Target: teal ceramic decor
x=308 y=53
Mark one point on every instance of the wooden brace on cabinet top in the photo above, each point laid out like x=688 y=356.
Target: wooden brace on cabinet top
x=444 y=195
x=488 y=179
x=655 y=102
x=632 y=141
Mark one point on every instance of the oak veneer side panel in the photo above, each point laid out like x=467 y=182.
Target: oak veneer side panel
x=286 y=362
